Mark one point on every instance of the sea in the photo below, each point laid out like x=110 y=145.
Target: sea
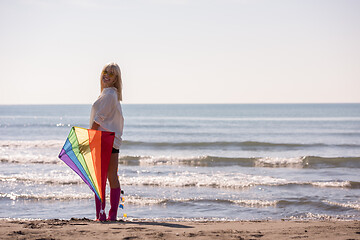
x=191 y=162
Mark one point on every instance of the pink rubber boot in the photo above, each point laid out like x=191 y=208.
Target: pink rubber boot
x=100 y=210
x=114 y=203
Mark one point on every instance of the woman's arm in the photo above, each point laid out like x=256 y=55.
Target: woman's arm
x=95 y=126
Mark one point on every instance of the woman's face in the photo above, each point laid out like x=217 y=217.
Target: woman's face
x=108 y=78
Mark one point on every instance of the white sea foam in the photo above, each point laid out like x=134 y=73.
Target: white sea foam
x=167 y=160
x=192 y=179
x=46 y=196
x=143 y=201
x=30 y=158
x=279 y=162
x=334 y=184
x=174 y=179
x=255 y=203
x=133 y=200
x=30 y=151
x=32 y=144
x=51 y=177
x=137 y=200
x=354 y=205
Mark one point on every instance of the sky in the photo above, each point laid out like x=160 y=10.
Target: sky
x=181 y=51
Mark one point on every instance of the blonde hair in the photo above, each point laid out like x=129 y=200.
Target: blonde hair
x=115 y=69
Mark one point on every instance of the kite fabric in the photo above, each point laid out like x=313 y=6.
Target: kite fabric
x=88 y=153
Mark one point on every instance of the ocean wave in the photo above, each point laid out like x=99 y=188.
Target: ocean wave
x=39 y=144
x=214 y=182
x=24 y=152
x=137 y=200
x=333 y=162
x=279 y=162
x=148 y=201
x=30 y=158
x=219 y=144
x=36 y=125
x=255 y=203
x=354 y=205
x=330 y=184
x=212 y=161
x=335 y=184
x=45 y=196
x=309 y=162
x=66 y=177
x=196 y=161
x=191 y=179
x=144 y=201
x=211 y=144
x=182 y=179
x=252 y=203
x=324 y=205
x=47 y=154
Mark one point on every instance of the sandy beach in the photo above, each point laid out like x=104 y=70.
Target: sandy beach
x=89 y=229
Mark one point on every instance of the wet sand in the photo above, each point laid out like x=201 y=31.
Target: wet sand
x=89 y=229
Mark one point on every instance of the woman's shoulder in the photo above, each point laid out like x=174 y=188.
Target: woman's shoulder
x=109 y=93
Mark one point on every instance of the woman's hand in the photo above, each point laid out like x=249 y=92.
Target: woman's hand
x=95 y=126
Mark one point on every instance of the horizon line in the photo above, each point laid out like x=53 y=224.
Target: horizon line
x=250 y=103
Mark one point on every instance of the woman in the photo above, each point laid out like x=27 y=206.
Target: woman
x=106 y=115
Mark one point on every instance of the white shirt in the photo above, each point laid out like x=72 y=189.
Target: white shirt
x=106 y=111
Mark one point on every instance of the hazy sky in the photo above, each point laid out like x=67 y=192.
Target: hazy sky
x=181 y=51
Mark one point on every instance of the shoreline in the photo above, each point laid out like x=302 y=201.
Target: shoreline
x=266 y=229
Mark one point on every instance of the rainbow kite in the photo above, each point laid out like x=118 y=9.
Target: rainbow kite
x=88 y=153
